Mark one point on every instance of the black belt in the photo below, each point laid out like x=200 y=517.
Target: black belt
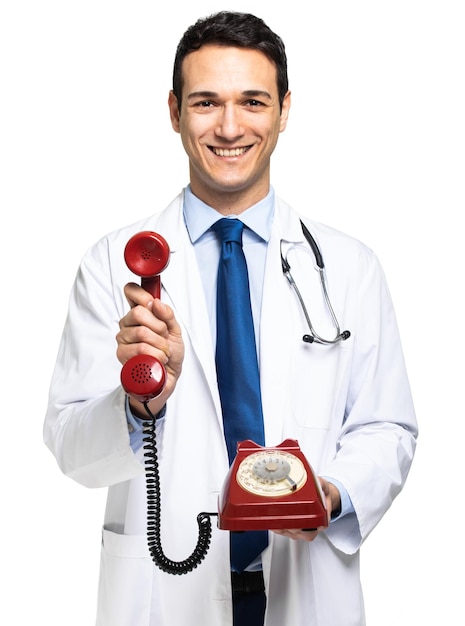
x=247 y=582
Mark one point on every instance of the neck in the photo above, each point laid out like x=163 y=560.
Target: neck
x=230 y=203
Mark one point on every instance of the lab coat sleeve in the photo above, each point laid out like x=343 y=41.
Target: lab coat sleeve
x=376 y=444
x=86 y=425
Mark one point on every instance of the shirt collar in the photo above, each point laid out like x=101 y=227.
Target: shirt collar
x=199 y=217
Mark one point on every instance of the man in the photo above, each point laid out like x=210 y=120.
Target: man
x=346 y=402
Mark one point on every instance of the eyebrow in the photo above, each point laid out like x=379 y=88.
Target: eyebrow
x=249 y=93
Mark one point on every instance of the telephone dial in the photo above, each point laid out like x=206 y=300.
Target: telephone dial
x=265 y=488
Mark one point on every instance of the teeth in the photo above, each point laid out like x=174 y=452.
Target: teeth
x=229 y=153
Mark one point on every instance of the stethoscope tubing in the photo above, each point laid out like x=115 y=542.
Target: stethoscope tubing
x=314 y=336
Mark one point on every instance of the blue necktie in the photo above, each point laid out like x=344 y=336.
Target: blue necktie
x=237 y=368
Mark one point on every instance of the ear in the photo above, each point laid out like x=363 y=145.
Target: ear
x=285 y=111
x=174 y=111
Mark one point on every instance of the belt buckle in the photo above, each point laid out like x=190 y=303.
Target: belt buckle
x=247 y=582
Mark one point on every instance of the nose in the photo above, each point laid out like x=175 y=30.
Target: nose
x=230 y=123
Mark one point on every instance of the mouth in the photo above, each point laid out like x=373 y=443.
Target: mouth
x=232 y=152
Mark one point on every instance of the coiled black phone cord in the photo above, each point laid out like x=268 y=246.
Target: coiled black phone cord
x=154 y=512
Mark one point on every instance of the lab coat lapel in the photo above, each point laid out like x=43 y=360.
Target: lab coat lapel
x=275 y=342
x=183 y=285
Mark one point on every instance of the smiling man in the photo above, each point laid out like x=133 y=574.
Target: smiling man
x=229 y=115
x=344 y=396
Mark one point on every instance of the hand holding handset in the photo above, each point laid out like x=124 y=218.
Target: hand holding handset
x=146 y=254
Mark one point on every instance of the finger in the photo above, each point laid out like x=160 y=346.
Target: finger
x=129 y=347
x=324 y=485
x=142 y=333
x=165 y=313
x=135 y=295
x=144 y=317
x=298 y=533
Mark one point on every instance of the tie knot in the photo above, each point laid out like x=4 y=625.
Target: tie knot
x=229 y=230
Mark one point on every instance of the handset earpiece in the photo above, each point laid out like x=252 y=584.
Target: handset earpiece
x=147 y=254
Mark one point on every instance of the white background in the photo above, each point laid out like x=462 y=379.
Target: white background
x=374 y=147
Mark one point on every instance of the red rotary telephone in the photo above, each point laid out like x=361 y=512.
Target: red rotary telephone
x=271 y=488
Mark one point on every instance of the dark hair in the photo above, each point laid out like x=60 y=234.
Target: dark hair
x=239 y=30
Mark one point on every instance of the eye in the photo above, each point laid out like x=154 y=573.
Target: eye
x=204 y=104
x=253 y=103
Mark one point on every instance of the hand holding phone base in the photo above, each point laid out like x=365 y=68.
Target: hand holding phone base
x=271 y=489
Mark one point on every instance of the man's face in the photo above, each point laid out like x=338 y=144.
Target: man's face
x=229 y=123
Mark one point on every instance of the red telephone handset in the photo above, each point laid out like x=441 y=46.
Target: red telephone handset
x=146 y=254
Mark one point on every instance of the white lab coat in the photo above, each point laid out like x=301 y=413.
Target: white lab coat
x=349 y=406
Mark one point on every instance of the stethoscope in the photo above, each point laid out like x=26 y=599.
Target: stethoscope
x=314 y=336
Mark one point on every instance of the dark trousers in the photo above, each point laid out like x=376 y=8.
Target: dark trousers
x=249 y=600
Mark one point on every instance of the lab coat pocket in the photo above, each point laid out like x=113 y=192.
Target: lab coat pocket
x=125 y=585
x=318 y=384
